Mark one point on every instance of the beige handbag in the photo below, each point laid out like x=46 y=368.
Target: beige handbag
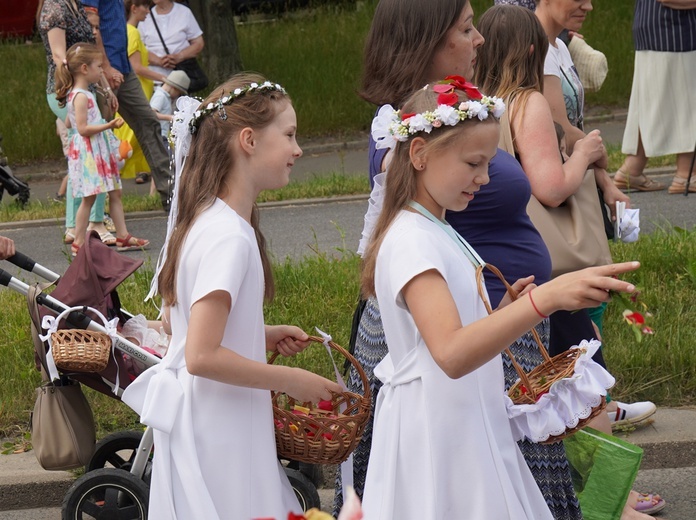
x=574 y=231
x=63 y=434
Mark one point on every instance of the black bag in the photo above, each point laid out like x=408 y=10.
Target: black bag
x=190 y=65
x=193 y=70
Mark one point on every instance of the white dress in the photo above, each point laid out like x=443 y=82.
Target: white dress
x=442 y=448
x=215 y=454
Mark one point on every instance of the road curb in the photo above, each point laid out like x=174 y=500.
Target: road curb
x=37 y=494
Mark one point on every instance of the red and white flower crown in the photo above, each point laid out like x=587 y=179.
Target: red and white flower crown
x=390 y=125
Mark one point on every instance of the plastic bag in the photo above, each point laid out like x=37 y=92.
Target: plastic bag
x=156 y=343
x=603 y=468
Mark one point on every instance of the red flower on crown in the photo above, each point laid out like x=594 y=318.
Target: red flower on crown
x=469 y=89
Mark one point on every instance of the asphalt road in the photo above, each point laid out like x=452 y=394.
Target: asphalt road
x=327 y=226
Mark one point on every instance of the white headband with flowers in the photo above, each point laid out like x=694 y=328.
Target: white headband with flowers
x=390 y=126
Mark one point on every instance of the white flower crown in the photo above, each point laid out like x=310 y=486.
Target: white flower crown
x=219 y=105
x=390 y=125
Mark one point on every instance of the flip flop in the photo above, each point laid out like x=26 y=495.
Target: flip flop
x=649 y=503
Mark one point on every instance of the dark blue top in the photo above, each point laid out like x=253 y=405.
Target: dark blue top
x=496 y=224
x=112 y=26
x=660 y=28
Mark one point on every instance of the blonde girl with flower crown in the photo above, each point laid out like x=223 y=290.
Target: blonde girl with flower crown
x=208 y=401
x=443 y=446
x=93 y=156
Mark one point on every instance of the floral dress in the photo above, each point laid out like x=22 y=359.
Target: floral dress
x=93 y=162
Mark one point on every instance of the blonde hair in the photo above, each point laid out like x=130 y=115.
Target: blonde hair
x=400 y=185
x=209 y=162
x=504 y=65
x=78 y=55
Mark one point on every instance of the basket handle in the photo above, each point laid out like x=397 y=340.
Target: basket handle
x=329 y=344
x=513 y=296
x=51 y=323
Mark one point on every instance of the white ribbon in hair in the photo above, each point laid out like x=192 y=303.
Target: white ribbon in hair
x=181 y=131
x=381 y=127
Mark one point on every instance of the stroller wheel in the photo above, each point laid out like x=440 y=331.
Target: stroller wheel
x=304 y=490
x=106 y=493
x=118 y=450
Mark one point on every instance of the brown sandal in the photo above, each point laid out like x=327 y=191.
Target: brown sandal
x=679 y=184
x=130 y=243
x=641 y=182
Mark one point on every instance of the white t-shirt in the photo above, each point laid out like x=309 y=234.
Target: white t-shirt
x=161 y=102
x=216 y=455
x=435 y=436
x=178 y=28
x=559 y=63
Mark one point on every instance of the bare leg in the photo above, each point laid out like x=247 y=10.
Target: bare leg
x=679 y=180
x=116 y=209
x=82 y=219
x=630 y=176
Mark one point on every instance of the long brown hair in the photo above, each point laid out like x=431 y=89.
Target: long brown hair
x=208 y=164
x=78 y=55
x=400 y=185
x=504 y=65
x=400 y=45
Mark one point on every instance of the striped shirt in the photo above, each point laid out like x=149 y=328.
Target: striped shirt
x=112 y=27
x=659 y=28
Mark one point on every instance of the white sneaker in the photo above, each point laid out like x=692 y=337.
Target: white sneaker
x=631 y=413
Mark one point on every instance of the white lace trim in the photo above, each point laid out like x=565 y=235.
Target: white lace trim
x=567 y=402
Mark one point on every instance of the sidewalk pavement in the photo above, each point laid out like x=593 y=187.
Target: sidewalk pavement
x=668 y=440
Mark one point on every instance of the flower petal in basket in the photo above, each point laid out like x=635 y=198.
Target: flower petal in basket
x=569 y=403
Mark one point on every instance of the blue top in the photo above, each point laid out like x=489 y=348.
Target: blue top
x=112 y=26
x=660 y=28
x=496 y=224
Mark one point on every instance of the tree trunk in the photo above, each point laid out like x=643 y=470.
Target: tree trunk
x=221 y=56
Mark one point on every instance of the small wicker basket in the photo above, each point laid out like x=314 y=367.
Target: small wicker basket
x=78 y=350
x=322 y=436
x=81 y=350
x=532 y=385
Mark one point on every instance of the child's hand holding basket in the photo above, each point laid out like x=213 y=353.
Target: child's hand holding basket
x=325 y=432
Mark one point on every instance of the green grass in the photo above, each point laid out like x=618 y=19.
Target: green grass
x=328 y=185
x=315 y=54
x=321 y=291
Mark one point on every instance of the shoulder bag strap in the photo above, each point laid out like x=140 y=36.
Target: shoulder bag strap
x=154 y=22
x=33 y=306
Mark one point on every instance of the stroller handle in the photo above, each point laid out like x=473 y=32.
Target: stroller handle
x=24 y=262
x=77 y=318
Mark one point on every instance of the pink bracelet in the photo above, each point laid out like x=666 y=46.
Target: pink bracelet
x=534 y=305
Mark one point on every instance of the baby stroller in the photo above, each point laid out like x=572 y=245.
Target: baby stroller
x=116 y=480
x=11 y=184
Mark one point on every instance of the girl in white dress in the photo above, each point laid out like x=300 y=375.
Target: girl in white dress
x=442 y=445
x=208 y=400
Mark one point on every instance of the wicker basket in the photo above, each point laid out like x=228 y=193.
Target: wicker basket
x=532 y=385
x=78 y=350
x=322 y=436
x=81 y=350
